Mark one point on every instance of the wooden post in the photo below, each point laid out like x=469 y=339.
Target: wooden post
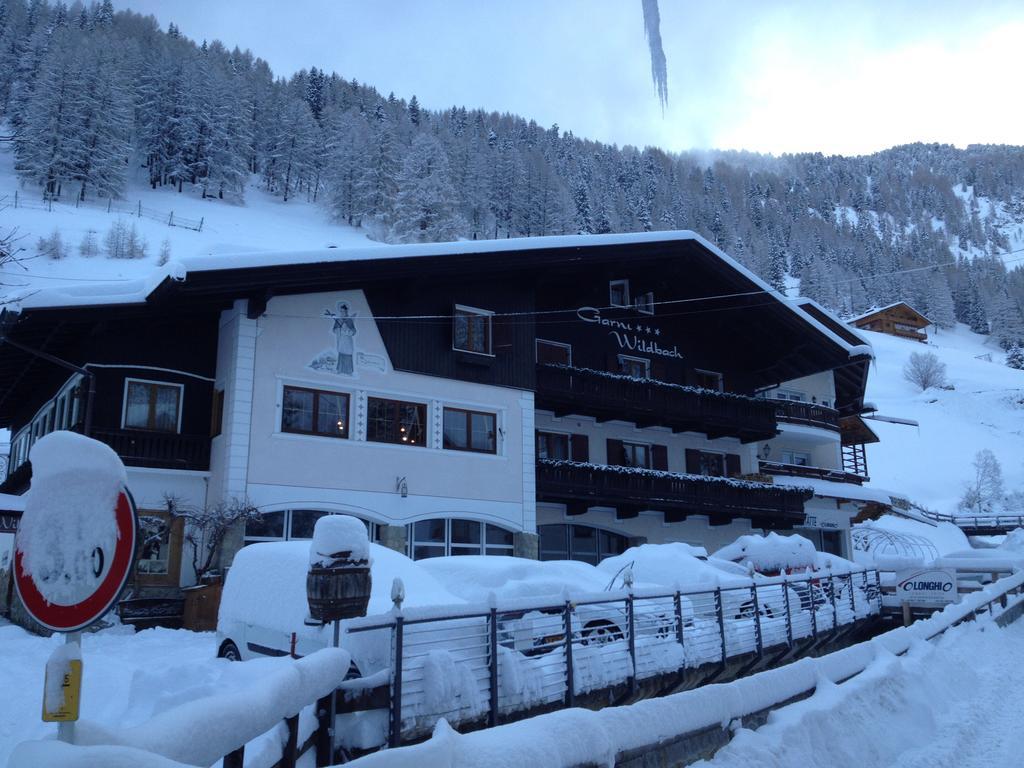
x=492 y=665
x=395 y=738
x=323 y=730
x=570 y=686
x=631 y=623
x=235 y=759
x=907 y=618
x=291 y=746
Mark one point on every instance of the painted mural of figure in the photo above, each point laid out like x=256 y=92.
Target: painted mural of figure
x=344 y=330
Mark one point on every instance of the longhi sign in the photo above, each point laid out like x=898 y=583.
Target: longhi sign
x=629 y=335
x=927 y=586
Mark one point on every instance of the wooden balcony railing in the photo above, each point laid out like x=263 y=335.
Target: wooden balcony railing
x=646 y=402
x=819 y=473
x=808 y=414
x=159 y=450
x=629 y=490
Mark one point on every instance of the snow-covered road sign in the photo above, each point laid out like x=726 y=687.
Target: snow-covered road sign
x=75 y=547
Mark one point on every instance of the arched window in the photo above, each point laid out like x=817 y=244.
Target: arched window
x=451 y=536
x=292 y=524
x=579 y=542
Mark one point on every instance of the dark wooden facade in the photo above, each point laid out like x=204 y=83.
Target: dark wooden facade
x=899 y=319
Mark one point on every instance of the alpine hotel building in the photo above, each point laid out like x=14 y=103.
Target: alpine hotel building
x=560 y=397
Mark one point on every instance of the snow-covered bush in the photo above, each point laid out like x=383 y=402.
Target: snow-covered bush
x=1015 y=357
x=90 y=245
x=52 y=246
x=124 y=242
x=206 y=527
x=165 y=253
x=984 y=494
x=925 y=370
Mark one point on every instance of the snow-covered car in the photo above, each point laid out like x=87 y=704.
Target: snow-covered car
x=598 y=614
x=264 y=609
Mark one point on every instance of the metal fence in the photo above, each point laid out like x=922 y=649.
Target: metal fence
x=488 y=666
x=46 y=202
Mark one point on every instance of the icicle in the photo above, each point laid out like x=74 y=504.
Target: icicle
x=659 y=68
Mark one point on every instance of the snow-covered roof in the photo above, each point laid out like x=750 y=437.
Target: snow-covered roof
x=834 y=490
x=128 y=292
x=876 y=310
x=12 y=503
x=803 y=302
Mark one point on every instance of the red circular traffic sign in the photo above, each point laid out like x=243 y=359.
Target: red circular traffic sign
x=75 y=616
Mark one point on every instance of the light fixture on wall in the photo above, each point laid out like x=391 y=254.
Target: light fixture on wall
x=765 y=452
x=401 y=486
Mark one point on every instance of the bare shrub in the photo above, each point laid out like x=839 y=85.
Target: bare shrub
x=925 y=370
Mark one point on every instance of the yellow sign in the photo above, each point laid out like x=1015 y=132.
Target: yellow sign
x=66 y=710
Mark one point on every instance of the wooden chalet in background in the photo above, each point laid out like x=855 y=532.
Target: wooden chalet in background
x=899 y=319
x=560 y=397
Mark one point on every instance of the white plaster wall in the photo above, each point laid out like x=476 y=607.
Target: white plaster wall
x=651 y=524
x=820 y=386
x=599 y=433
x=299 y=470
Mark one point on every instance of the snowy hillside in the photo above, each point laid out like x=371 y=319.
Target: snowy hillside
x=263 y=223
x=985 y=409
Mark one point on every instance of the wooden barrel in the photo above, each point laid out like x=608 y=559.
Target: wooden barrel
x=340 y=591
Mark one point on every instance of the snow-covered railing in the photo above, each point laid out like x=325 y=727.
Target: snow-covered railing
x=979 y=523
x=693 y=724
x=293 y=704
x=473 y=666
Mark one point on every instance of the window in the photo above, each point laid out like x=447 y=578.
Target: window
x=288 y=524
x=799 y=458
x=442 y=537
x=645 y=303
x=159 y=554
x=394 y=421
x=469 y=431
x=636 y=455
x=637 y=367
x=552 y=446
x=217 y=412
x=314 y=412
x=553 y=352
x=579 y=542
x=708 y=380
x=618 y=293
x=152 y=405
x=789 y=394
x=471 y=331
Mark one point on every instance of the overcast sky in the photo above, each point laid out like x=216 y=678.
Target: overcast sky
x=820 y=75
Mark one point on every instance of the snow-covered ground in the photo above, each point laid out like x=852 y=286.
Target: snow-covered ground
x=956 y=705
x=985 y=409
x=128 y=677
x=264 y=223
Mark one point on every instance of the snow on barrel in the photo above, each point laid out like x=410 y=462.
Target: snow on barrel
x=65 y=545
x=338 y=582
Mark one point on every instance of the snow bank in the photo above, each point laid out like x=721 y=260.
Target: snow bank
x=771 y=552
x=476 y=577
x=41 y=754
x=946 y=537
x=338 y=537
x=200 y=732
x=266 y=585
x=672 y=565
x=74 y=478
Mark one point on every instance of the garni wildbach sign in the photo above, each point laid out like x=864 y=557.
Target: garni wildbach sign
x=631 y=336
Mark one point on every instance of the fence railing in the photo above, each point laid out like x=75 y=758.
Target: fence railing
x=488 y=666
x=980 y=523
x=45 y=202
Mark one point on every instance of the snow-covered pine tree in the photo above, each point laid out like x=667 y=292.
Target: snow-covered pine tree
x=424 y=208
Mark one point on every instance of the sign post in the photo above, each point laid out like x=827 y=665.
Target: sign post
x=73 y=555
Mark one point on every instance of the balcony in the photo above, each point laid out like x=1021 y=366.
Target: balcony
x=817 y=473
x=157 y=450
x=646 y=402
x=807 y=414
x=580 y=486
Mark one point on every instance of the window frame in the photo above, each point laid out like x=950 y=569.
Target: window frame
x=625 y=285
x=706 y=372
x=451 y=548
x=547 y=433
x=486 y=313
x=793 y=456
x=550 y=343
x=128 y=381
x=601 y=536
x=316 y=412
x=424 y=422
x=645 y=303
x=646 y=361
x=633 y=444
x=469 y=413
